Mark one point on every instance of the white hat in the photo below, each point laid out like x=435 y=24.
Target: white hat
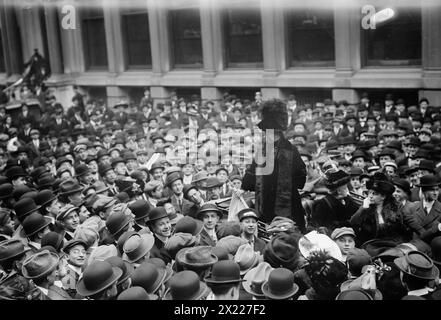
x=315 y=241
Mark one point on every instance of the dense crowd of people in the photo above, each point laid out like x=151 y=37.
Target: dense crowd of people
x=153 y=201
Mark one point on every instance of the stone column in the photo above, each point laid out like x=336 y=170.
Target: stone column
x=53 y=39
x=11 y=40
x=114 y=41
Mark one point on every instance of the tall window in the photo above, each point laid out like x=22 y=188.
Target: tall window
x=94 y=37
x=135 y=24
x=186 y=37
x=243 y=37
x=311 y=38
x=395 y=42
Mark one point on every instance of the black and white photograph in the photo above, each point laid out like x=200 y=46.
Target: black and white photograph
x=238 y=150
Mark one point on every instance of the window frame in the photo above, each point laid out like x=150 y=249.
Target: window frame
x=173 y=38
x=127 y=65
x=225 y=38
x=84 y=36
x=290 y=62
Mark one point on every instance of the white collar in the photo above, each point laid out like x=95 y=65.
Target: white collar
x=420 y=292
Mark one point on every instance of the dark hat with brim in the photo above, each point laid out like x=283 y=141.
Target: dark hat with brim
x=428 y=181
x=98 y=276
x=418 y=265
x=383 y=187
x=40 y=264
x=280 y=285
x=337 y=179
x=209 y=207
x=197 y=257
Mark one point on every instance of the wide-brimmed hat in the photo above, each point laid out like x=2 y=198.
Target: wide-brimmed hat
x=98 y=276
x=157 y=165
x=314 y=241
x=359 y=154
x=280 y=285
x=383 y=187
x=11 y=248
x=6 y=190
x=15 y=172
x=209 y=207
x=53 y=239
x=196 y=257
x=126 y=267
x=140 y=208
x=246 y=258
x=223 y=272
x=354 y=294
x=282 y=250
x=69 y=187
x=39 y=264
x=256 y=277
x=34 y=223
x=417 y=264
x=136 y=293
x=428 y=181
x=231 y=243
x=337 y=179
x=185 y=285
x=81 y=170
x=149 y=277
x=189 y=225
x=274 y=115
x=402 y=184
x=159 y=263
x=137 y=246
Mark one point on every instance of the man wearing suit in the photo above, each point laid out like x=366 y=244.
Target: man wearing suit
x=34 y=144
x=59 y=123
x=424 y=217
x=248 y=223
x=174 y=182
x=210 y=215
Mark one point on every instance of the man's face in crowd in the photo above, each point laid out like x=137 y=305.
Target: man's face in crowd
x=200 y=164
x=120 y=168
x=210 y=220
x=157 y=194
x=169 y=208
x=222 y=176
x=153 y=124
x=345 y=243
x=87 y=178
x=19 y=181
x=384 y=159
x=431 y=194
x=132 y=164
x=158 y=174
x=187 y=169
x=414 y=177
x=159 y=143
x=390 y=171
x=237 y=183
x=110 y=176
x=359 y=163
x=83 y=154
x=355 y=182
x=107 y=138
x=93 y=166
x=177 y=187
x=249 y=226
x=71 y=222
x=399 y=195
x=77 y=256
x=162 y=227
x=195 y=196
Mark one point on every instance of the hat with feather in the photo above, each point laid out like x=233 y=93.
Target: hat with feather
x=274 y=115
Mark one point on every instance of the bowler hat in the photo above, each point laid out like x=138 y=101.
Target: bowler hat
x=140 y=208
x=282 y=250
x=187 y=188
x=196 y=257
x=280 y=285
x=44 y=197
x=34 y=223
x=134 y=293
x=387 y=152
x=11 y=248
x=15 y=172
x=46 y=182
x=355 y=294
x=359 y=154
x=428 y=181
x=222 y=253
x=417 y=264
x=156 y=165
x=126 y=267
x=189 y=225
x=137 y=246
x=246 y=258
x=81 y=170
x=6 y=190
x=156 y=214
x=69 y=187
x=185 y=285
x=54 y=239
x=117 y=222
x=31 y=194
x=39 y=264
x=117 y=160
x=172 y=177
x=224 y=272
x=25 y=207
x=149 y=277
x=427 y=165
x=98 y=276
x=231 y=243
x=256 y=277
x=208 y=207
x=402 y=184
